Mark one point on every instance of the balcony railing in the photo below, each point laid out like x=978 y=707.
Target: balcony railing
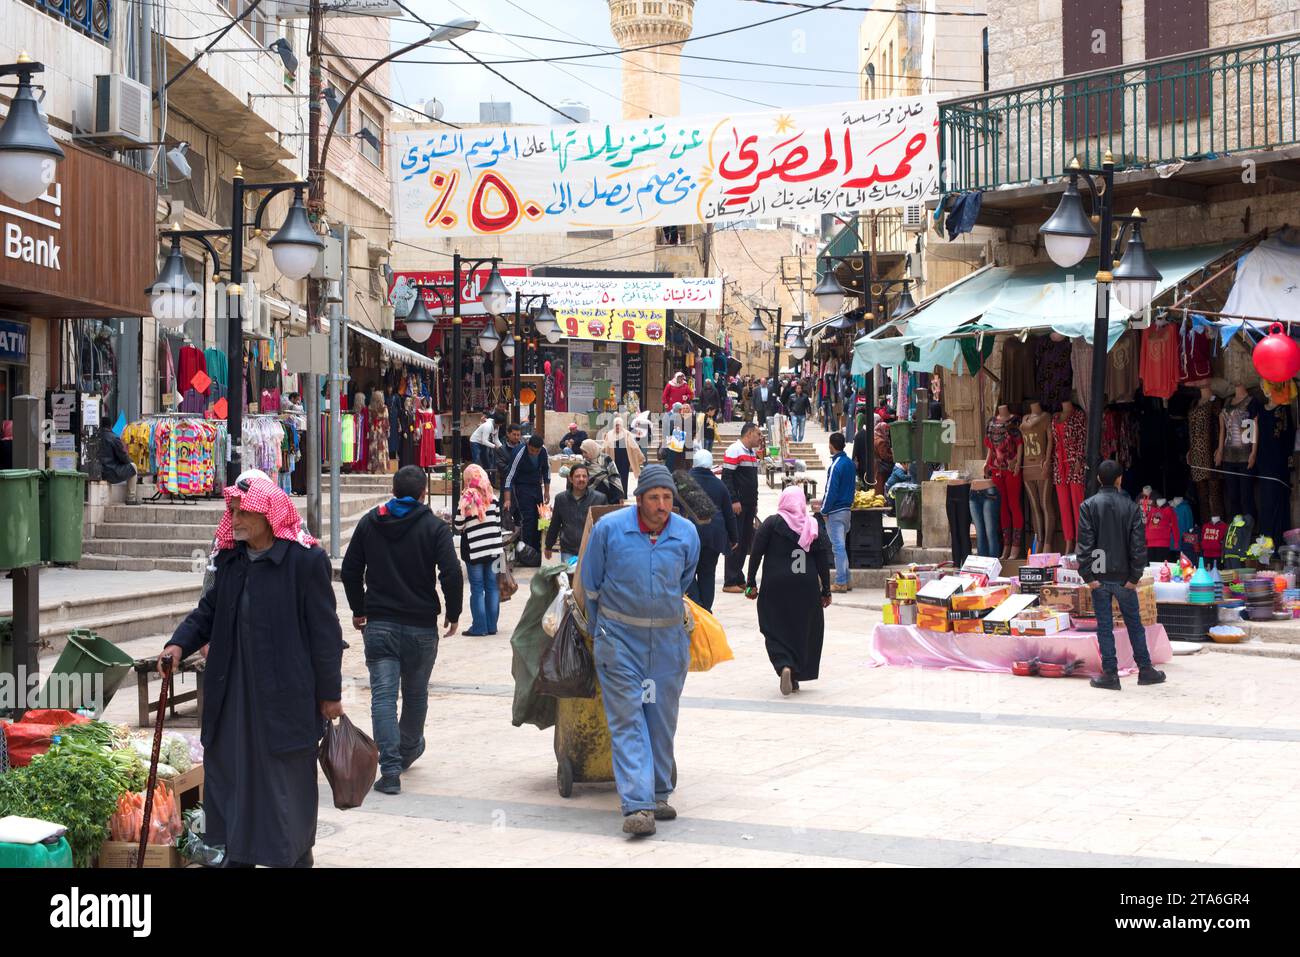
x=890 y=237
x=91 y=17
x=1185 y=107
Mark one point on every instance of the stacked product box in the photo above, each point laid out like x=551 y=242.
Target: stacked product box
x=998 y=621
x=969 y=608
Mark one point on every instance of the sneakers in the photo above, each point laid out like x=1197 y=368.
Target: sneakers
x=733 y=589
x=1149 y=676
x=639 y=823
x=787 y=682
x=665 y=811
x=407 y=762
x=1107 y=681
x=840 y=589
x=389 y=784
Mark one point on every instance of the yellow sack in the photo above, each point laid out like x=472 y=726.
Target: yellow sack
x=708 y=639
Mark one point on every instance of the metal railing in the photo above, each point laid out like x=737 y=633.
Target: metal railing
x=890 y=237
x=91 y=17
x=1191 y=106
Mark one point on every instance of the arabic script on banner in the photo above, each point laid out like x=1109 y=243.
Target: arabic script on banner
x=581 y=292
x=663 y=172
x=615 y=325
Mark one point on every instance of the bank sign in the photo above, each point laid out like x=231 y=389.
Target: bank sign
x=13 y=342
x=35 y=237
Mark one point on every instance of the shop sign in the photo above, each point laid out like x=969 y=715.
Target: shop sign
x=618 y=292
x=614 y=325
x=13 y=342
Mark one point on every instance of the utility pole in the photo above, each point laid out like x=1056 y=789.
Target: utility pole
x=315 y=208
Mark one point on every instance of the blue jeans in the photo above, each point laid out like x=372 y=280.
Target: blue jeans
x=1129 y=610
x=642 y=672
x=985 y=509
x=837 y=526
x=797 y=425
x=398 y=656
x=484 y=597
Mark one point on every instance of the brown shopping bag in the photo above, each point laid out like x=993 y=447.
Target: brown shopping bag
x=350 y=761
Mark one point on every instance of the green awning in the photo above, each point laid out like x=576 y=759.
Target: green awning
x=1015 y=298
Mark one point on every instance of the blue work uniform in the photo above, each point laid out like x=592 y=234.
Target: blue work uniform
x=634 y=592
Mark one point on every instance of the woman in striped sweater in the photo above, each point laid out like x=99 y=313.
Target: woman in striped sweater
x=478 y=522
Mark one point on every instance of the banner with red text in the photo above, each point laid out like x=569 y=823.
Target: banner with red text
x=665 y=171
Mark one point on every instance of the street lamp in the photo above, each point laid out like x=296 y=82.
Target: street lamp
x=488 y=340
x=829 y=292
x=419 y=324
x=1067 y=236
x=28 y=154
x=757 y=331
x=294 y=247
x=543 y=322
x=775 y=315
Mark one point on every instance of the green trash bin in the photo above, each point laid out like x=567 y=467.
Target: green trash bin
x=20 y=518
x=73 y=682
x=47 y=854
x=63 y=496
x=933 y=447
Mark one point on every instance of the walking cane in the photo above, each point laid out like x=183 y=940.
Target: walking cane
x=165 y=668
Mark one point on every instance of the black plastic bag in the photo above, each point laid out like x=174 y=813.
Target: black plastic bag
x=527 y=557
x=350 y=761
x=567 y=669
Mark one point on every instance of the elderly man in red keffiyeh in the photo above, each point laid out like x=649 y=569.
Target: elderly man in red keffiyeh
x=272 y=680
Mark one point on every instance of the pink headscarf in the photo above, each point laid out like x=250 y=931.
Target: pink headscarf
x=793 y=507
x=477 y=494
x=266 y=498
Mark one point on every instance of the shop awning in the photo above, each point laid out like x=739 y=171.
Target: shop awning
x=1016 y=298
x=700 y=340
x=399 y=352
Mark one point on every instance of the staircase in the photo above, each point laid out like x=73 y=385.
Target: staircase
x=178 y=537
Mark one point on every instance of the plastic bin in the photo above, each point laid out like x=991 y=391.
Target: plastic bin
x=933 y=446
x=47 y=854
x=63 y=497
x=903 y=493
x=88 y=656
x=20 y=518
x=1187 y=622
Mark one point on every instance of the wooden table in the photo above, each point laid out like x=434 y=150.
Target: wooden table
x=145 y=667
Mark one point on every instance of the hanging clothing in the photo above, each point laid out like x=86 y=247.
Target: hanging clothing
x=1034 y=432
x=1159 y=366
x=379 y=441
x=428 y=421
x=1161 y=530
x=1052 y=371
x=1002 y=439
x=1193 y=355
x=1081 y=363
x=1235 y=415
x=192 y=362
x=1018 y=380
x=1213 y=536
x=1071 y=434
x=1203 y=432
x=1122 y=368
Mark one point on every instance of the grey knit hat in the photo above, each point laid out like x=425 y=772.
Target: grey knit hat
x=654 y=476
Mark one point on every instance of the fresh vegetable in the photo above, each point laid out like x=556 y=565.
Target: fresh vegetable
x=73 y=785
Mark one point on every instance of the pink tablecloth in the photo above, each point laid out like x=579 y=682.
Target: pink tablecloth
x=911 y=646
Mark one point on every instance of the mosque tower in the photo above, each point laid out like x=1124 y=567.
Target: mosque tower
x=651 y=78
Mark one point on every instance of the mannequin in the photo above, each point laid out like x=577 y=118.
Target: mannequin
x=1186 y=527
x=1161 y=532
x=1052 y=370
x=1036 y=431
x=1275 y=432
x=1213 y=536
x=1003 y=465
x=428 y=435
x=561 y=389
x=378 y=433
x=1146 y=502
x=1201 y=419
x=1070 y=434
x=1236 y=451
x=362 y=413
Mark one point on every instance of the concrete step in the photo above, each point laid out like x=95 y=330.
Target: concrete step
x=120 y=531
x=94 y=607
x=120 y=626
x=1281 y=632
x=209 y=511
x=1257 y=648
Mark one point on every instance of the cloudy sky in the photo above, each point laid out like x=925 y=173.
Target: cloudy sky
x=526 y=29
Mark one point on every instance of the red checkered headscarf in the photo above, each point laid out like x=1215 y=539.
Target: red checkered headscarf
x=266 y=498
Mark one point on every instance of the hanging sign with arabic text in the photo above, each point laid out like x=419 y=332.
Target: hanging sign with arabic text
x=615 y=292
x=665 y=171
x=614 y=325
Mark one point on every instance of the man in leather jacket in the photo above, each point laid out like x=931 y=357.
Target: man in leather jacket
x=1112 y=553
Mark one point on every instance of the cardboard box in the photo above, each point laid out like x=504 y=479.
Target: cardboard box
x=973 y=627
x=594 y=514
x=124 y=854
x=941 y=624
x=1073 y=599
x=188 y=787
x=998 y=621
x=1044 y=560
x=982 y=565
x=968 y=614
x=984 y=599
x=1033 y=579
x=1068 y=576
x=1045 y=623
x=899 y=613
x=939 y=593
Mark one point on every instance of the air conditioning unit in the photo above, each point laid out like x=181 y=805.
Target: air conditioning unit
x=123 y=111
x=914 y=218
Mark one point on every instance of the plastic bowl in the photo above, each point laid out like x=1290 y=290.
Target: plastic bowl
x=1227 y=634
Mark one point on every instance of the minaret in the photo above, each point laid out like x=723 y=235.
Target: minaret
x=651 y=78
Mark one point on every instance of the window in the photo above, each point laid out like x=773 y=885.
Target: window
x=255 y=24
x=869 y=85
x=1092 y=39
x=369 y=124
x=344 y=127
x=1172 y=27
x=986 y=58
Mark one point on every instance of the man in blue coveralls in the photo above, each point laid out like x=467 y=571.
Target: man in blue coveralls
x=637 y=566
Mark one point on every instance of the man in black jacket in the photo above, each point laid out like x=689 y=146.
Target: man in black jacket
x=719 y=537
x=569 y=514
x=740 y=476
x=1112 y=553
x=388 y=577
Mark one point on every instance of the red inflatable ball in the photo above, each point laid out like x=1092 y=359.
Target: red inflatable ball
x=1277 y=355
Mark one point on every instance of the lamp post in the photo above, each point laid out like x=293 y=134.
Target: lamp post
x=758 y=332
x=1068 y=234
x=544 y=323
x=419 y=326
x=830 y=295
x=28 y=154
x=176 y=297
